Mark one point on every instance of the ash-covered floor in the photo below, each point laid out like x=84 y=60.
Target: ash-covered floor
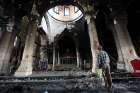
x=82 y=85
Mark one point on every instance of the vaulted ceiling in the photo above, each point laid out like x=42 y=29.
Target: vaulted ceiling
x=23 y=7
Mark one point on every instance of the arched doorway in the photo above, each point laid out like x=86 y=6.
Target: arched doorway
x=67 y=50
x=66 y=57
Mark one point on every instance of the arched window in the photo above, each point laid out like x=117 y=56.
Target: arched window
x=76 y=9
x=66 y=11
x=56 y=9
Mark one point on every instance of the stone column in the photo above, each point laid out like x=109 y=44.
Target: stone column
x=53 y=58
x=6 y=46
x=77 y=53
x=126 y=45
x=94 y=42
x=120 y=60
x=58 y=58
x=43 y=54
x=25 y=67
x=78 y=57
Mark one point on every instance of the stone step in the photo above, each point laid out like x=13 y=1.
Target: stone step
x=85 y=85
x=74 y=85
x=64 y=67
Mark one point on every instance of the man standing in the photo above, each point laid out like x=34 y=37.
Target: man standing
x=103 y=63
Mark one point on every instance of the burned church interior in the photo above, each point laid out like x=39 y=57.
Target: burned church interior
x=51 y=46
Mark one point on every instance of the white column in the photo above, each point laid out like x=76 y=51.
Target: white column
x=53 y=58
x=6 y=46
x=93 y=40
x=127 y=48
x=120 y=60
x=78 y=57
x=25 y=67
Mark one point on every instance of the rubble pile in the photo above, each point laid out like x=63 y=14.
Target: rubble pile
x=69 y=83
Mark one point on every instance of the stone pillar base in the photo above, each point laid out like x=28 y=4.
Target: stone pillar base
x=4 y=73
x=22 y=74
x=120 y=66
x=25 y=69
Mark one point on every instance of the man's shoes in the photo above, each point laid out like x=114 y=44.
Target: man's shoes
x=110 y=89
